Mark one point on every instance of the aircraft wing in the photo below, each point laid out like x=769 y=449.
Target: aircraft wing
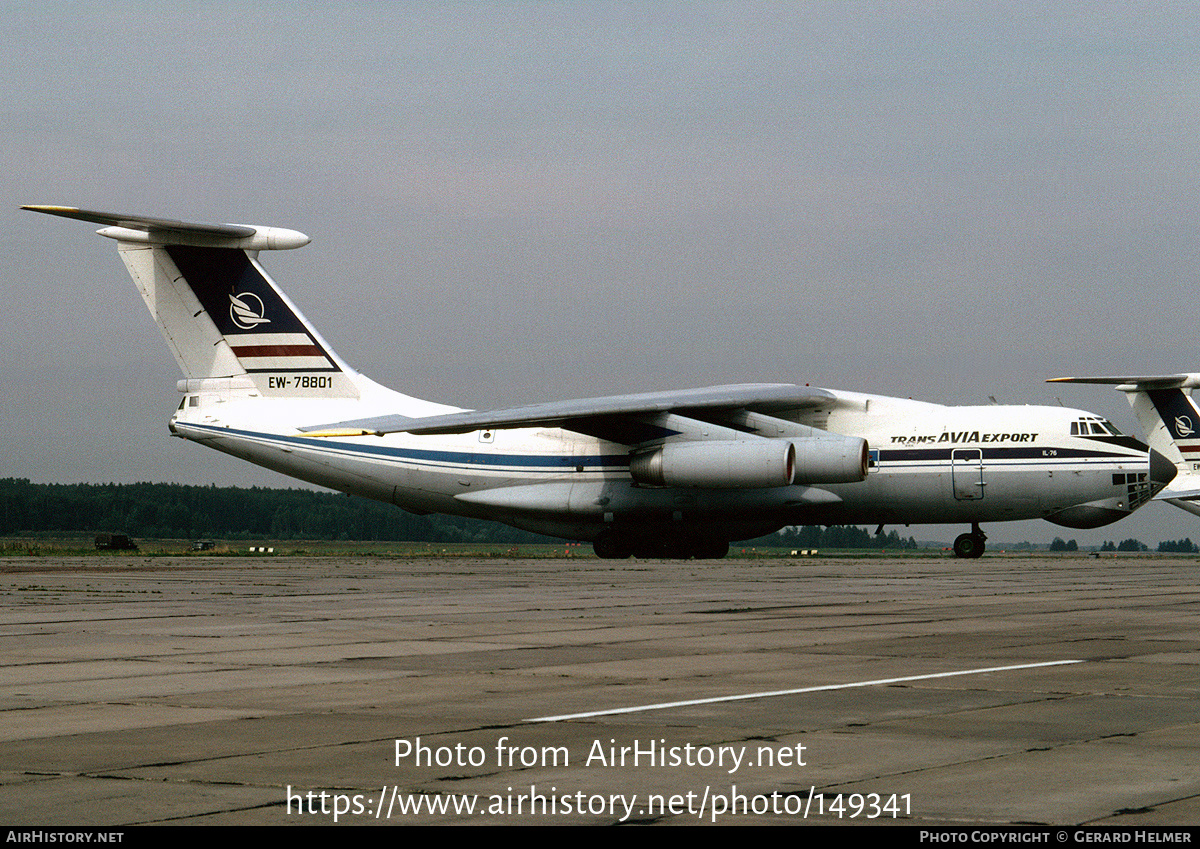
x=583 y=414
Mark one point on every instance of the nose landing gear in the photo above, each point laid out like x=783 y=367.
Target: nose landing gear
x=970 y=544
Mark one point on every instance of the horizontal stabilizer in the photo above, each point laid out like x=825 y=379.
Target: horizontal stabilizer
x=1185 y=487
x=1172 y=495
x=1153 y=381
x=761 y=397
x=165 y=231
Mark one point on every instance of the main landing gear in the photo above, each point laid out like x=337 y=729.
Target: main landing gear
x=970 y=544
x=612 y=545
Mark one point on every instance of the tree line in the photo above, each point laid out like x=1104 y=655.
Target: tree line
x=1183 y=546
x=838 y=536
x=179 y=511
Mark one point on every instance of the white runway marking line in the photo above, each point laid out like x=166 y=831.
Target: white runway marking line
x=744 y=696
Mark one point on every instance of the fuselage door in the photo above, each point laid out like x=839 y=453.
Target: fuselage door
x=966 y=472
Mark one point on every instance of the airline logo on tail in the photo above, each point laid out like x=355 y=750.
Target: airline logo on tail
x=247 y=310
x=260 y=352
x=1177 y=412
x=262 y=330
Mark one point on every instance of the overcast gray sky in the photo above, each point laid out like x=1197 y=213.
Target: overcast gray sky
x=518 y=202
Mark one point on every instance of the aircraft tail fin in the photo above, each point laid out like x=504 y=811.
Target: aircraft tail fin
x=220 y=312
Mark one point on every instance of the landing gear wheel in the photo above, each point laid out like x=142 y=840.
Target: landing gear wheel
x=611 y=546
x=674 y=547
x=969 y=545
x=711 y=549
x=698 y=547
x=653 y=544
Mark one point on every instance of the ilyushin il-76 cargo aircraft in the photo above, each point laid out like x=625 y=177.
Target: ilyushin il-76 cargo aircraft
x=659 y=474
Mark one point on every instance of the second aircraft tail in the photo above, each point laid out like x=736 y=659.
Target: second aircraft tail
x=1170 y=421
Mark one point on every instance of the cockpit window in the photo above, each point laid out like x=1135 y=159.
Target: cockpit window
x=1093 y=427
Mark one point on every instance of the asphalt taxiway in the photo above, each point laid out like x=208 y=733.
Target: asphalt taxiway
x=237 y=690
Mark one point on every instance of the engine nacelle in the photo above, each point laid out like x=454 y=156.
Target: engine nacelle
x=743 y=464
x=831 y=459
x=753 y=463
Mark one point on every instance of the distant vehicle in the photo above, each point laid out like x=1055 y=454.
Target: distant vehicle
x=652 y=474
x=114 y=542
x=202 y=545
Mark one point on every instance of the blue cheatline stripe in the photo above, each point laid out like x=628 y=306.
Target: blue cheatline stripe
x=556 y=461
x=896 y=455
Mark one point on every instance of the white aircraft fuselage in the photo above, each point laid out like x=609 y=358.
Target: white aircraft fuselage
x=932 y=464
x=675 y=473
